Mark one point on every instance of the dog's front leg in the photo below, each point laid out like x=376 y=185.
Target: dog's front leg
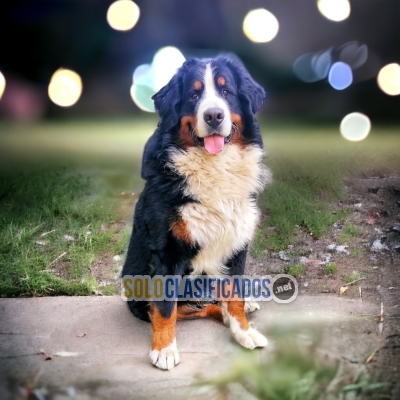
x=164 y=353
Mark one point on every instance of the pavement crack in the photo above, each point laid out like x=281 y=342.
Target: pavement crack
x=20 y=355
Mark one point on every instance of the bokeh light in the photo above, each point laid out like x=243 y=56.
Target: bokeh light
x=355 y=126
x=260 y=25
x=123 y=15
x=141 y=96
x=166 y=61
x=2 y=84
x=335 y=10
x=312 y=67
x=65 y=87
x=340 y=76
x=149 y=79
x=389 y=79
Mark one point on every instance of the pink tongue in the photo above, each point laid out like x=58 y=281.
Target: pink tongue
x=214 y=143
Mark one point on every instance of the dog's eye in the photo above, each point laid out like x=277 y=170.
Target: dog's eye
x=195 y=96
x=225 y=93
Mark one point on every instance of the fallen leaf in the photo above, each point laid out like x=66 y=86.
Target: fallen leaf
x=47 y=233
x=46 y=356
x=375 y=214
x=370 y=357
x=81 y=335
x=343 y=289
x=316 y=262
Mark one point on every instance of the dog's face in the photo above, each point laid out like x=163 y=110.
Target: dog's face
x=208 y=103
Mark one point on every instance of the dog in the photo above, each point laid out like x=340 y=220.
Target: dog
x=197 y=214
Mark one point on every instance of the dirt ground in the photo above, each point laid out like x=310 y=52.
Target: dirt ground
x=372 y=254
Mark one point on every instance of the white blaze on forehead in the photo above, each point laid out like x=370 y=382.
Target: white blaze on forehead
x=211 y=99
x=210 y=93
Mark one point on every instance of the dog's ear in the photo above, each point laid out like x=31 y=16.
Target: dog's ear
x=251 y=94
x=167 y=102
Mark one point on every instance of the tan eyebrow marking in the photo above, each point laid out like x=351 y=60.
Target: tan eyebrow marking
x=198 y=85
x=221 y=81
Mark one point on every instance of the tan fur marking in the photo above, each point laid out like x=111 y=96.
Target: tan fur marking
x=210 y=310
x=221 y=81
x=185 y=137
x=236 y=309
x=163 y=328
x=197 y=85
x=180 y=231
x=237 y=137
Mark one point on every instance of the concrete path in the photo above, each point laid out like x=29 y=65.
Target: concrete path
x=100 y=351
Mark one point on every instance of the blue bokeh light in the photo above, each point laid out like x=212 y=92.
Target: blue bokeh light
x=340 y=75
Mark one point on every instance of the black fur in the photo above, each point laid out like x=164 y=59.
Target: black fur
x=153 y=250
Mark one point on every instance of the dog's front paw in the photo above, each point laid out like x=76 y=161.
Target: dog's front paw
x=250 y=338
x=250 y=306
x=165 y=358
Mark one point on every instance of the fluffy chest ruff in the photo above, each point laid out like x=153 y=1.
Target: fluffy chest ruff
x=223 y=220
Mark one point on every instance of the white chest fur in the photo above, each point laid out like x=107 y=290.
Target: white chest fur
x=225 y=218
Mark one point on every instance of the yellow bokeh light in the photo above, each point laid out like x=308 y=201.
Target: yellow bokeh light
x=2 y=84
x=65 y=87
x=260 y=25
x=123 y=15
x=335 y=10
x=389 y=79
x=355 y=126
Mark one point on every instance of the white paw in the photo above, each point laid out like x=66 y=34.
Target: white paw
x=165 y=358
x=250 y=338
x=250 y=306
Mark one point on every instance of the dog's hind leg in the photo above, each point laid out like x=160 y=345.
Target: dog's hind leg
x=192 y=311
x=164 y=353
x=234 y=310
x=243 y=333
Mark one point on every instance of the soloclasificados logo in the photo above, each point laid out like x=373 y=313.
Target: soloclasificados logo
x=282 y=288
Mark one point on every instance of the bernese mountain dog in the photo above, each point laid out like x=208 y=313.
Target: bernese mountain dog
x=197 y=214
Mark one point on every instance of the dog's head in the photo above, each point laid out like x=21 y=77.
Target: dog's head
x=210 y=103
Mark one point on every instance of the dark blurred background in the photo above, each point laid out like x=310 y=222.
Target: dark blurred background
x=39 y=37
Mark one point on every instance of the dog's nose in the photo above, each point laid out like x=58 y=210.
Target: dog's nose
x=214 y=116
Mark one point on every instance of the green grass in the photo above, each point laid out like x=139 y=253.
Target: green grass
x=356 y=251
x=348 y=234
x=259 y=244
x=295 y=270
x=352 y=277
x=350 y=229
x=57 y=201
x=330 y=268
